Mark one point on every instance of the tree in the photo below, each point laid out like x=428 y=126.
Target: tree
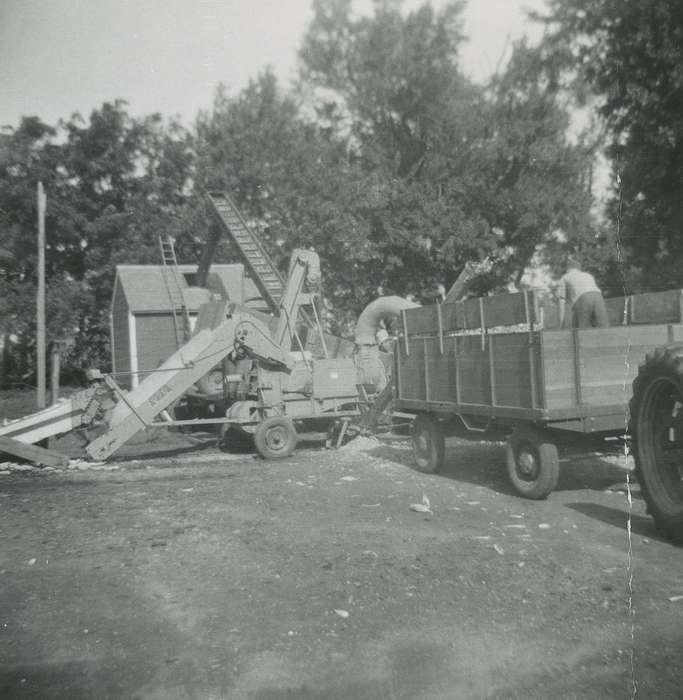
x=114 y=184
x=538 y=187
x=628 y=54
x=461 y=172
x=389 y=159
x=27 y=155
x=391 y=85
x=395 y=76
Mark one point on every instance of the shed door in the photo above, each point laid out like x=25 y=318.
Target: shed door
x=156 y=340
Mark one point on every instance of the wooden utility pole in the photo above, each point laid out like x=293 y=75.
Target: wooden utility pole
x=40 y=322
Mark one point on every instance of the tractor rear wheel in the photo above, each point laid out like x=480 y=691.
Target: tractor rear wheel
x=532 y=462
x=275 y=437
x=429 y=445
x=657 y=435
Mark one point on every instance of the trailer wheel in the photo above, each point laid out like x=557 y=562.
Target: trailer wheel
x=428 y=443
x=275 y=437
x=532 y=462
x=657 y=434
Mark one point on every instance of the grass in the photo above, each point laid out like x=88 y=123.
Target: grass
x=15 y=403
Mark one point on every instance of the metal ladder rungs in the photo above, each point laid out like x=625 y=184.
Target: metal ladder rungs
x=264 y=273
x=171 y=276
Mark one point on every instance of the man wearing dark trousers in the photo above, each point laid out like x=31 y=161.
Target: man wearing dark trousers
x=579 y=289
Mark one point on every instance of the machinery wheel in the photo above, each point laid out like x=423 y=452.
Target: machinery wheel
x=275 y=437
x=428 y=443
x=532 y=462
x=657 y=434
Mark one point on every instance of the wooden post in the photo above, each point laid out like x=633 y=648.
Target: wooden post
x=440 y=322
x=40 y=302
x=482 y=323
x=4 y=361
x=576 y=344
x=54 y=384
x=426 y=366
x=405 y=332
x=54 y=373
x=492 y=373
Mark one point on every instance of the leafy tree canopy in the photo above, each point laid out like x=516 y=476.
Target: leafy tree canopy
x=467 y=173
x=628 y=54
x=114 y=184
x=389 y=159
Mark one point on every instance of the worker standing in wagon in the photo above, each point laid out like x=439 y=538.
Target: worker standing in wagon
x=587 y=306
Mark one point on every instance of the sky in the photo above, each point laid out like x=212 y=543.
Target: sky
x=58 y=57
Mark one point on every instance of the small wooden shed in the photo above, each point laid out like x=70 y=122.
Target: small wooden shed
x=142 y=324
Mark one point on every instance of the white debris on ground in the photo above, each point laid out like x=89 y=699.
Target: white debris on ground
x=7 y=468
x=16 y=467
x=424 y=507
x=361 y=443
x=201 y=458
x=84 y=465
x=622 y=461
x=10 y=467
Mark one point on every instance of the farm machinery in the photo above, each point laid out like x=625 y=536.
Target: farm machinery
x=281 y=391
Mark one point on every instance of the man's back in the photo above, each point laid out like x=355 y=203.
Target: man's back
x=576 y=282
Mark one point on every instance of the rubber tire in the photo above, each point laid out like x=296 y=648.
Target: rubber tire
x=661 y=373
x=275 y=437
x=429 y=445
x=535 y=443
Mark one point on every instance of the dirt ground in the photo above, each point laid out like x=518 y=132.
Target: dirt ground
x=178 y=571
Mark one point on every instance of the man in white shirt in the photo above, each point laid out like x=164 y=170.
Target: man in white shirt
x=578 y=288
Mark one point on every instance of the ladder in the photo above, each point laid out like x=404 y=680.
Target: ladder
x=263 y=271
x=171 y=276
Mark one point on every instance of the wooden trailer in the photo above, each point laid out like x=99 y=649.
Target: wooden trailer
x=501 y=365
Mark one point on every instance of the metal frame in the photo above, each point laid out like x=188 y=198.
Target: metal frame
x=602 y=415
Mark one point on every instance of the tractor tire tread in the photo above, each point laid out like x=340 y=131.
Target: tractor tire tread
x=665 y=362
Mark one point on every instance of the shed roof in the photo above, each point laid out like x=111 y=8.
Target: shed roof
x=145 y=289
